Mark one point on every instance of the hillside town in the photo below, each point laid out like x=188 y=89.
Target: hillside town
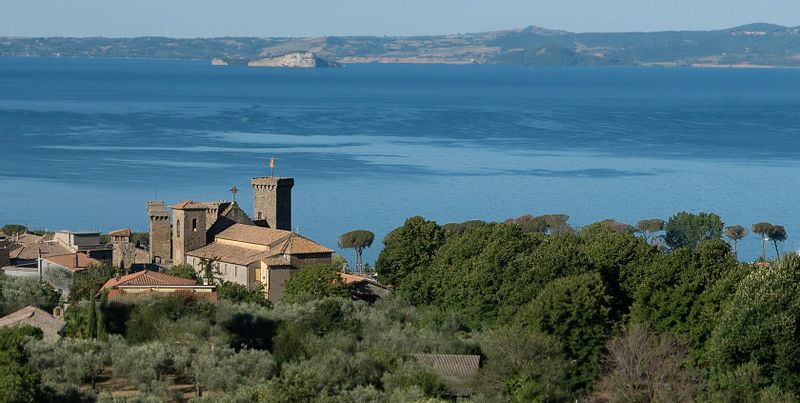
x=218 y=240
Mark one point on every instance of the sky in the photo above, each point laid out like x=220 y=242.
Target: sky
x=270 y=18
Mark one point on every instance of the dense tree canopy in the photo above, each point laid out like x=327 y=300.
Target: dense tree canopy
x=315 y=282
x=686 y=230
x=407 y=248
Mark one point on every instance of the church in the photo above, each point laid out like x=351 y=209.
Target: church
x=258 y=252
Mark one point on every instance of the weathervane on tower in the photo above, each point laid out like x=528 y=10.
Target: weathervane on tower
x=272 y=166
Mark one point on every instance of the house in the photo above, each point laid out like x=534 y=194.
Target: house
x=121 y=235
x=148 y=283
x=259 y=257
x=25 y=249
x=457 y=371
x=365 y=288
x=72 y=262
x=87 y=242
x=52 y=326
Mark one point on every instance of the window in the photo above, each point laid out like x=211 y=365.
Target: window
x=178 y=228
x=259 y=215
x=194 y=225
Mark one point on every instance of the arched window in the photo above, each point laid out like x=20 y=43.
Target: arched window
x=178 y=228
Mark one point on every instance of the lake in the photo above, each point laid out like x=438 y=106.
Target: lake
x=87 y=142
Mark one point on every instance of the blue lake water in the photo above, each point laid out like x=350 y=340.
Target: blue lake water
x=85 y=143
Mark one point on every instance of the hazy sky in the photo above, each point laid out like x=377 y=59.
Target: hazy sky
x=203 y=18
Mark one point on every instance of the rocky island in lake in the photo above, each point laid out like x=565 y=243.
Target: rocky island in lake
x=306 y=60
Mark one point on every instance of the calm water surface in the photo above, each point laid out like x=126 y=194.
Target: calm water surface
x=85 y=143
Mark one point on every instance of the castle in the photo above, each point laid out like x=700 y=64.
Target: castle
x=257 y=252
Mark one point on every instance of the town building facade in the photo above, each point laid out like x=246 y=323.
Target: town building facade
x=259 y=252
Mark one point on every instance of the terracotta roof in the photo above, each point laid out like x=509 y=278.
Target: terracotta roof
x=147 y=278
x=28 y=245
x=67 y=260
x=120 y=232
x=353 y=279
x=30 y=315
x=298 y=244
x=230 y=253
x=455 y=370
x=254 y=235
x=188 y=205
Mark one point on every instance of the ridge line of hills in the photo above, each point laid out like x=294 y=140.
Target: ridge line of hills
x=748 y=45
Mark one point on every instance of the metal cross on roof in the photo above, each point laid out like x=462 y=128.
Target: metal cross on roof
x=234 y=190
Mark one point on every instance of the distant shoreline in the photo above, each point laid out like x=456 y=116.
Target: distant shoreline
x=428 y=62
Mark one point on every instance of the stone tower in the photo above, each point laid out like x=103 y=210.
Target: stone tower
x=272 y=202
x=160 y=243
x=188 y=229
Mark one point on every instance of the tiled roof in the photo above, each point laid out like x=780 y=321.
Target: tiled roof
x=254 y=235
x=30 y=315
x=120 y=232
x=67 y=260
x=456 y=370
x=298 y=244
x=188 y=205
x=353 y=279
x=28 y=245
x=230 y=254
x=147 y=278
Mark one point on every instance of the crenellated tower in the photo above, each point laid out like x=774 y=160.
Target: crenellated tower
x=272 y=202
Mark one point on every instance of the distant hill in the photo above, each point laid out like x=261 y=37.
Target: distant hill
x=754 y=44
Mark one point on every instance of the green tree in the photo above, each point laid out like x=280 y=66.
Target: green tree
x=735 y=233
x=11 y=229
x=18 y=381
x=407 y=248
x=183 y=270
x=66 y=365
x=523 y=364
x=239 y=294
x=314 y=282
x=86 y=283
x=210 y=270
x=613 y=225
x=686 y=230
x=763 y=229
x=357 y=240
x=760 y=324
x=777 y=234
x=575 y=310
x=649 y=228
x=672 y=296
x=19 y=292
